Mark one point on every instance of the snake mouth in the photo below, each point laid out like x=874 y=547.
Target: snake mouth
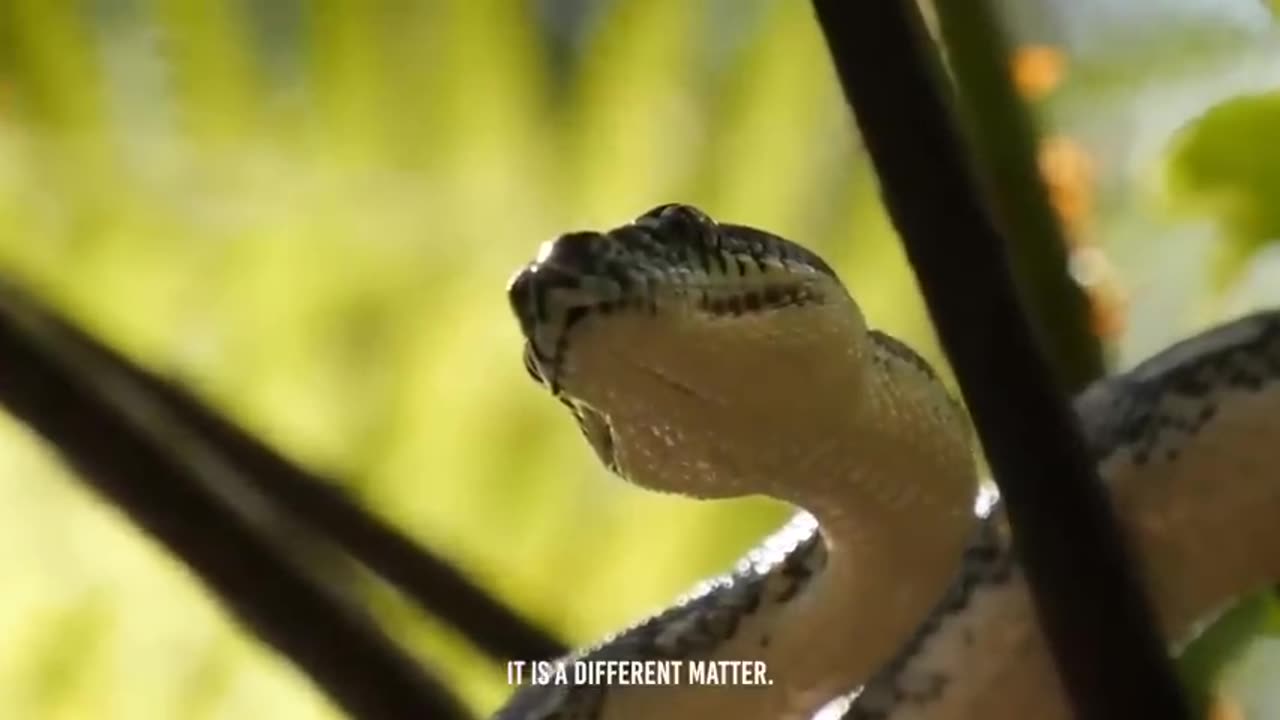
x=545 y=320
x=546 y=335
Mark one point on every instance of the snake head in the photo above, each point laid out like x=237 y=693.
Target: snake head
x=681 y=344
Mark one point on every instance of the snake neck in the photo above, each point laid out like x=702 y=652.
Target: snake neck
x=898 y=518
x=895 y=524
x=833 y=606
x=889 y=478
x=894 y=514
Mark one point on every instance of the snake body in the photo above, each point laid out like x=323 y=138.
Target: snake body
x=718 y=360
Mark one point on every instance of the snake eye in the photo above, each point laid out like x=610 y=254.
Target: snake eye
x=655 y=213
x=676 y=215
x=680 y=225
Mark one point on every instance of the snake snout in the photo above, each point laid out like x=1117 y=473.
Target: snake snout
x=562 y=267
x=554 y=292
x=523 y=294
x=530 y=292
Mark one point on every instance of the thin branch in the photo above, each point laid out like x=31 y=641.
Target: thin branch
x=430 y=581
x=1093 y=609
x=1004 y=138
x=117 y=449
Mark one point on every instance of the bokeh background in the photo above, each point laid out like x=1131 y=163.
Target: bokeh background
x=307 y=211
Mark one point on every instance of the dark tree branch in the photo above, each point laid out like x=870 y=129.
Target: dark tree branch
x=428 y=580
x=117 y=449
x=1092 y=608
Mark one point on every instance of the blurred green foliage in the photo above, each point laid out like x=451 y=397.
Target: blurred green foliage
x=1227 y=164
x=1201 y=663
x=307 y=210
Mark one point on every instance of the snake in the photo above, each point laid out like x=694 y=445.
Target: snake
x=716 y=360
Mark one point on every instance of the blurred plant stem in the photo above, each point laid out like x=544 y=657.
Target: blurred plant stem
x=1203 y=661
x=1002 y=134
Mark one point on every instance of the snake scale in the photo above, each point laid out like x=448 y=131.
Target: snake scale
x=718 y=360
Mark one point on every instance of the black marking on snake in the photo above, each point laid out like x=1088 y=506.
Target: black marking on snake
x=796 y=571
x=678 y=228
x=757 y=243
x=572 y=317
x=723 y=261
x=896 y=348
x=771 y=297
x=986 y=562
x=681 y=227
x=704 y=256
x=749 y=602
x=530 y=363
x=720 y=625
x=1168 y=397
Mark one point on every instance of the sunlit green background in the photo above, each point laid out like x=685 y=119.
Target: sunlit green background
x=307 y=210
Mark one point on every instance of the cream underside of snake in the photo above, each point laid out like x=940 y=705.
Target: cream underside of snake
x=905 y=593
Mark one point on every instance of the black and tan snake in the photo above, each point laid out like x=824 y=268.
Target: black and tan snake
x=718 y=360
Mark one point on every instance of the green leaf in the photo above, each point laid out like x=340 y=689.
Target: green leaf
x=1226 y=164
x=1205 y=659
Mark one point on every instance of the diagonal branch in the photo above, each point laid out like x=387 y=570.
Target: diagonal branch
x=1093 y=609
x=430 y=581
x=166 y=483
